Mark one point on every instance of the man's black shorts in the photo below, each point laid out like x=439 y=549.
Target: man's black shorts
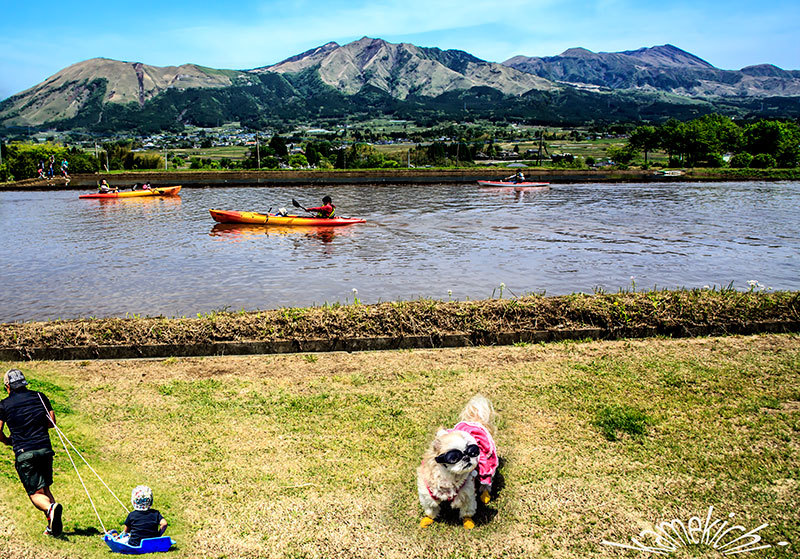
x=35 y=469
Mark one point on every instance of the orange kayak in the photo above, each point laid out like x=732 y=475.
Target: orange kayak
x=224 y=216
x=165 y=191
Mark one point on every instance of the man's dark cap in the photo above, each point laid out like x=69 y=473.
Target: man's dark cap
x=14 y=379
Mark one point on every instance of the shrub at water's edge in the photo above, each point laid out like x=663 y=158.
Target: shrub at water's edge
x=663 y=310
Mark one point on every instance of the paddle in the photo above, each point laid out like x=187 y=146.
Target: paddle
x=296 y=204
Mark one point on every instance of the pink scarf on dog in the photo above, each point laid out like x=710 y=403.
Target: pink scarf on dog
x=487 y=462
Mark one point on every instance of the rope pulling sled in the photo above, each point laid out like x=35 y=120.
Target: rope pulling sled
x=147 y=545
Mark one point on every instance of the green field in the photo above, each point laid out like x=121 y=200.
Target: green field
x=235 y=153
x=314 y=455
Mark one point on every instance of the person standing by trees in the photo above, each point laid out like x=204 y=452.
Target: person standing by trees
x=29 y=415
x=64 y=167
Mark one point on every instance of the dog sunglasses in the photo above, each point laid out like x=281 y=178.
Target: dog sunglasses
x=455 y=455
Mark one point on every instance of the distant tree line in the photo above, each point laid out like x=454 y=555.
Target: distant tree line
x=119 y=155
x=22 y=160
x=705 y=140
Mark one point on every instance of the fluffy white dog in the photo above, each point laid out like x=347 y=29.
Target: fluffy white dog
x=460 y=464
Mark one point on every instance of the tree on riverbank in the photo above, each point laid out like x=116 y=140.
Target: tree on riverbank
x=703 y=142
x=21 y=161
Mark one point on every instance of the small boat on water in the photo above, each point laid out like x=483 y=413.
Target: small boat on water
x=223 y=216
x=507 y=184
x=160 y=191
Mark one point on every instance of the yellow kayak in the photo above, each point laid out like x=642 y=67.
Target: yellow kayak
x=165 y=191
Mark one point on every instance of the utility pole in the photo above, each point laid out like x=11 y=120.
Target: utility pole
x=541 y=133
x=165 y=157
x=258 y=151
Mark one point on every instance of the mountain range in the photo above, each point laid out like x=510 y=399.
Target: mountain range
x=371 y=77
x=660 y=68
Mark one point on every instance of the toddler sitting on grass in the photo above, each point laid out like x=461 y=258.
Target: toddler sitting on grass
x=143 y=522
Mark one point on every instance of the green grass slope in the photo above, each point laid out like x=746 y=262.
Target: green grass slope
x=315 y=455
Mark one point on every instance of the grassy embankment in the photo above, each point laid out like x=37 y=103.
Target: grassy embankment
x=314 y=455
x=668 y=312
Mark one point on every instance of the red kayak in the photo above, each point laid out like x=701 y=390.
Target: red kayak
x=224 y=216
x=511 y=184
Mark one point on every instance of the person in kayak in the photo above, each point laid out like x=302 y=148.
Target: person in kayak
x=516 y=177
x=326 y=210
x=104 y=187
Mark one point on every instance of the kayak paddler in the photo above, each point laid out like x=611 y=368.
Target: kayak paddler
x=326 y=210
x=516 y=177
x=104 y=188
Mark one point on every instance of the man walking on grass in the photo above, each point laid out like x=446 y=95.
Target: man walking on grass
x=29 y=415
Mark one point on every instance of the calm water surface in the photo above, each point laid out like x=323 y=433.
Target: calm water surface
x=63 y=257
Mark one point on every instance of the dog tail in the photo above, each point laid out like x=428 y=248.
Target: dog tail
x=479 y=410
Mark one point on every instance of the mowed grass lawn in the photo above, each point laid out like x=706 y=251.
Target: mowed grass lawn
x=315 y=455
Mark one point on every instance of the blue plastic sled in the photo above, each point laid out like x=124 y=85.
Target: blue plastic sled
x=147 y=545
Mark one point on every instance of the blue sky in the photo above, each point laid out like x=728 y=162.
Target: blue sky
x=39 y=38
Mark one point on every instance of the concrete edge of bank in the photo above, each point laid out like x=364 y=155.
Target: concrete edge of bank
x=265 y=178
x=378 y=343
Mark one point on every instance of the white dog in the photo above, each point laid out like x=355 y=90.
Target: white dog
x=457 y=460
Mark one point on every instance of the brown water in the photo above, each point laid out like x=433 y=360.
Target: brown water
x=62 y=257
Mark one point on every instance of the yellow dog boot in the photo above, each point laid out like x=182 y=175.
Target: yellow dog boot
x=485 y=498
x=468 y=523
x=425 y=522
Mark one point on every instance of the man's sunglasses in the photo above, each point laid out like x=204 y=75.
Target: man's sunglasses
x=455 y=455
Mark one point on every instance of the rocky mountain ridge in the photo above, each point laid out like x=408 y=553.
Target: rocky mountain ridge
x=661 y=68
x=404 y=69
x=379 y=77
x=64 y=94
